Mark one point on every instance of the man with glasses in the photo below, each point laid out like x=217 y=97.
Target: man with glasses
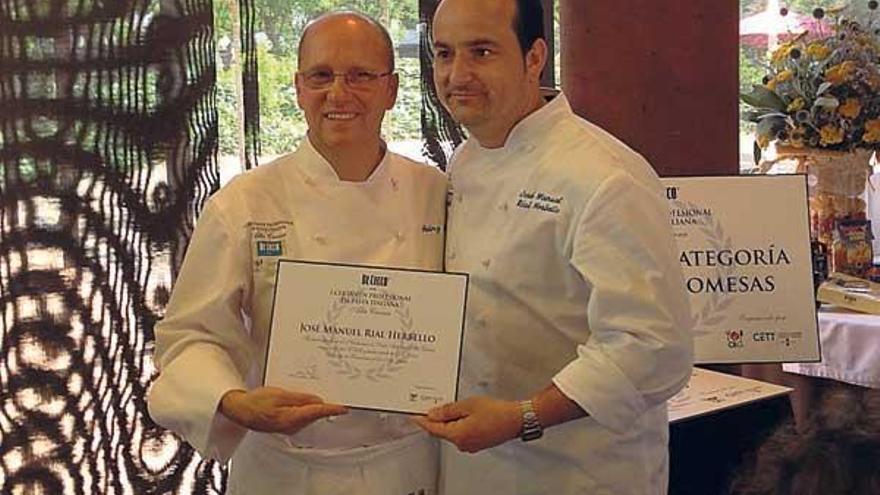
x=341 y=197
x=577 y=321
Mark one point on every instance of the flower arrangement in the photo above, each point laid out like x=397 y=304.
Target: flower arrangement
x=823 y=87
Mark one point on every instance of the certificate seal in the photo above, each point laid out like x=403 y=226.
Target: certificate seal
x=336 y=348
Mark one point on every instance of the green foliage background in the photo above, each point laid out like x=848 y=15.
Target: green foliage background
x=279 y=24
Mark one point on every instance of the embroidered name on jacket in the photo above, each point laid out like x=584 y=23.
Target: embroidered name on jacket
x=538 y=200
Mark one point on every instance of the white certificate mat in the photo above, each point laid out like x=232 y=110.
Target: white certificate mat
x=367 y=337
x=709 y=392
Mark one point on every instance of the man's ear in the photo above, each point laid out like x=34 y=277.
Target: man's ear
x=297 y=86
x=393 y=85
x=536 y=58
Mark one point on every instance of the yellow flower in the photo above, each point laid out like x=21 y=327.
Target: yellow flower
x=798 y=135
x=781 y=53
x=795 y=105
x=818 y=51
x=841 y=72
x=784 y=75
x=850 y=108
x=830 y=134
x=872 y=131
x=781 y=77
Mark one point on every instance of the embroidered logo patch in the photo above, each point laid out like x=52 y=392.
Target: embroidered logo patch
x=269 y=248
x=432 y=228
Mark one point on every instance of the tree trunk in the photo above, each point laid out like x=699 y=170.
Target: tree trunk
x=235 y=66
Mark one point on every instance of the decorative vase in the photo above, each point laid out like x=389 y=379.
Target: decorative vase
x=836 y=182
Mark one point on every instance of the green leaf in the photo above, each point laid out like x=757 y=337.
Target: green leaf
x=770 y=126
x=761 y=97
x=754 y=116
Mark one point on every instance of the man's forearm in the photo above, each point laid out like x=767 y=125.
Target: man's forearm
x=553 y=407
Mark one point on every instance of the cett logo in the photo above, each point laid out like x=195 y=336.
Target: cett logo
x=734 y=338
x=764 y=337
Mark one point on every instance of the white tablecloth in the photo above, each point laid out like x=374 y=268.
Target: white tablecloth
x=850 y=344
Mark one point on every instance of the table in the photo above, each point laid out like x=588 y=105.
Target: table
x=850 y=346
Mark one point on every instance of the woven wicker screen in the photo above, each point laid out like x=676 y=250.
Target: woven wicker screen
x=108 y=138
x=440 y=132
x=108 y=141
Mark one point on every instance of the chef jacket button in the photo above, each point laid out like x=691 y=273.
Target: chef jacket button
x=309 y=181
x=503 y=206
x=394 y=183
x=483 y=384
x=480 y=322
x=319 y=239
x=486 y=262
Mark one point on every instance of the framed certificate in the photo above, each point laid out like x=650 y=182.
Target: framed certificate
x=367 y=337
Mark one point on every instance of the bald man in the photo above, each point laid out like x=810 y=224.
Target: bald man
x=341 y=197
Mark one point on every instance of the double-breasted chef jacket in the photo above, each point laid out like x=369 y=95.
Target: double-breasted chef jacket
x=574 y=280
x=213 y=337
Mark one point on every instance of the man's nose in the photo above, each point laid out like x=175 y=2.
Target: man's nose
x=460 y=69
x=338 y=88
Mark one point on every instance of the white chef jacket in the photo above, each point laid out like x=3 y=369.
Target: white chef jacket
x=214 y=335
x=574 y=279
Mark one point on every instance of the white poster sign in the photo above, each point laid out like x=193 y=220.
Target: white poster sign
x=744 y=248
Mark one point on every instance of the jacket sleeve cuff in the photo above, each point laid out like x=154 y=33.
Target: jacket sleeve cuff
x=189 y=406
x=612 y=400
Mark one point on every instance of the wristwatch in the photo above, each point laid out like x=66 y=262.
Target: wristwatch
x=531 y=427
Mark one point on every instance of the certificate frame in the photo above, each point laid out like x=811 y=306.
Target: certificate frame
x=424 y=402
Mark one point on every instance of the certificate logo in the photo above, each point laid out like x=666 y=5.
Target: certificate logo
x=269 y=248
x=374 y=280
x=425 y=396
x=734 y=339
x=789 y=339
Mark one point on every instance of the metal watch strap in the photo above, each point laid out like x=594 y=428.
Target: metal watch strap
x=531 y=427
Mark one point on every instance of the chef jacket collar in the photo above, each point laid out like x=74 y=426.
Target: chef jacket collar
x=523 y=133
x=319 y=170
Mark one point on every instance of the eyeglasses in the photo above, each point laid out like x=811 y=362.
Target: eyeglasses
x=357 y=79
